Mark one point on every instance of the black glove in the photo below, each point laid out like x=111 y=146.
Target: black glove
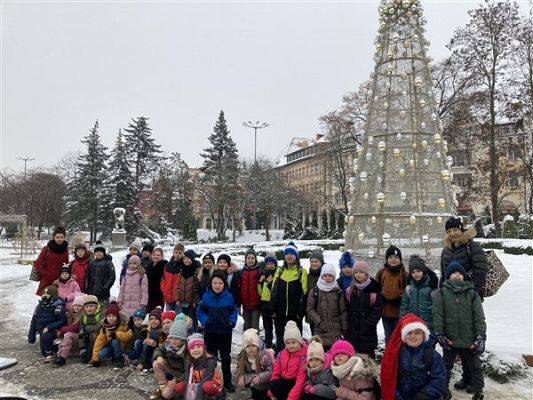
x=443 y=341
x=479 y=345
x=421 y=396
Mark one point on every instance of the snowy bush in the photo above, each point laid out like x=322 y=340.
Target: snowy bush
x=502 y=371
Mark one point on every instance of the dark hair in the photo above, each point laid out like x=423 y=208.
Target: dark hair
x=59 y=229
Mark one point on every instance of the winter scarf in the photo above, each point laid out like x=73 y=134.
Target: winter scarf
x=340 y=371
x=188 y=270
x=362 y=286
x=175 y=351
x=314 y=370
x=58 y=248
x=346 y=280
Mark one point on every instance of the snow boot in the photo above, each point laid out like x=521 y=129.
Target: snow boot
x=461 y=384
x=478 y=396
x=470 y=389
x=229 y=387
x=157 y=393
x=59 y=362
x=118 y=364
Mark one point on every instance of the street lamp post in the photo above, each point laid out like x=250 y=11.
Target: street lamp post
x=255 y=126
x=25 y=159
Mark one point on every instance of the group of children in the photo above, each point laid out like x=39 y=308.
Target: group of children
x=162 y=307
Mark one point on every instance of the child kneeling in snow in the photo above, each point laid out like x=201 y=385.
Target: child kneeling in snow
x=202 y=380
x=254 y=367
x=411 y=368
x=90 y=324
x=356 y=373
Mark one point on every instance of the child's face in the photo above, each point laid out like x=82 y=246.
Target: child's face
x=178 y=254
x=156 y=256
x=454 y=234
x=346 y=270
x=222 y=265
x=341 y=359
x=271 y=266
x=196 y=351
x=111 y=318
x=133 y=264
x=250 y=260
x=315 y=264
x=359 y=276
x=314 y=362
x=290 y=258
x=417 y=274
x=167 y=323
x=154 y=322
x=292 y=345
x=138 y=322
x=175 y=342
x=328 y=278
x=89 y=309
x=217 y=285
x=393 y=260
x=65 y=275
x=251 y=350
x=207 y=263
x=415 y=338
x=77 y=308
x=457 y=276
x=187 y=261
x=80 y=253
x=133 y=251
x=146 y=253
x=98 y=255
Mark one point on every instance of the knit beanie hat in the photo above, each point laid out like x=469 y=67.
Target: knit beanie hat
x=134 y=260
x=224 y=257
x=346 y=260
x=179 y=328
x=221 y=275
x=291 y=249
x=389 y=363
x=341 y=347
x=415 y=262
x=292 y=332
x=209 y=256
x=80 y=246
x=454 y=222
x=135 y=245
x=251 y=337
x=148 y=247
x=271 y=258
x=413 y=326
x=90 y=299
x=250 y=251
x=156 y=312
x=328 y=269
x=315 y=350
x=317 y=255
x=362 y=266
x=393 y=251
x=79 y=300
x=196 y=339
x=190 y=254
x=51 y=290
x=454 y=266
x=139 y=314
x=168 y=315
x=113 y=308
x=99 y=247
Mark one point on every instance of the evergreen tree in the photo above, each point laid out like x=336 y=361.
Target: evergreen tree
x=314 y=219
x=332 y=222
x=340 y=224
x=220 y=173
x=306 y=221
x=324 y=223
x=85 y=191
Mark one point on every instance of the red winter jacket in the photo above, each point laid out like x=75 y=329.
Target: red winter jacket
x=289 y=366
x=250 y=297
x=78 y=267
x=49 y=262
x=169 y=283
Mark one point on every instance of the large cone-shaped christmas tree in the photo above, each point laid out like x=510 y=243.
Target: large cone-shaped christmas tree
x=401 y=191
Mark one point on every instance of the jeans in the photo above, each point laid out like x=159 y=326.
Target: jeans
x=191 y=313
x=111 y=350
x=472 y=363
x=251 y=319
x=388 y=325
x=46 y=343
x=137 y=350
x=148 y=352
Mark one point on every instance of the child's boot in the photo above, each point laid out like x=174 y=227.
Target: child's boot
x=461 y=384
x=118 y=364
x=478 y=396
x=59 y=362
x=157 y=393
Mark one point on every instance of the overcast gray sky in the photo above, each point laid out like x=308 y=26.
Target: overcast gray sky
x=64 y=65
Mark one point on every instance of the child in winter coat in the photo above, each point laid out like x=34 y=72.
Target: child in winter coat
x=218 y=315
x=289 y=290
x=90 y=324
x=346 y=263
x=146 y=254
x=326 y=308
x=68 y=287
x=133 y=293
x=356 y=374
x=271 y=266
x=289 y=362
x=134 y=250
x=139 y=333
x=49 y=316
x=169 y=359
x=80 y=264
x=188 y=289
x=154 y=337
x=316 y=261
x=169 y=283
x=202 y=381
x=69 y=332
x=421 y=289
x=315 y=381
x=364 y=310
x=230 y=270
x=113 y=338
x=100 y=275
x=392 y=278
x=254 y=367
x=204 y=273
x=411 y=368
x=459 y=324
x=154 y=272
x=250 y=278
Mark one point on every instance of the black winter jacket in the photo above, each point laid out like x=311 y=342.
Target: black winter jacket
x=99 y=277
x=51 y=315
x=154 y=272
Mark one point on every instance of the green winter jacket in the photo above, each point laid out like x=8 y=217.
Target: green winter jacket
x=174 y=358
x=418 y=298
x=458 y=313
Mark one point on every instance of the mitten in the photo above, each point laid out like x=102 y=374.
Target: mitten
x=479 y=345
x=443 y=341
x=309 y=389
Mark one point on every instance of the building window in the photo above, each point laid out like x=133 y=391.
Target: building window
x=512 y=153
x=460 y=158
x=462 y=180
x=514 y=180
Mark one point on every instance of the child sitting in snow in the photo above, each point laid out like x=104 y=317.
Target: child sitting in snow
x=254 y=367
x=154 y=337
x=49 y=316
x=356 y=373
x=90 y=324
x=169 y=359
x=139 y=332
x=68 y=287
x=411 y=368
x=69 y=332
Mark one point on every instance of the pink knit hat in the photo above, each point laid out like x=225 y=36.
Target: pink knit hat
x=79 y=300
x=341 y=347
x=362 y=266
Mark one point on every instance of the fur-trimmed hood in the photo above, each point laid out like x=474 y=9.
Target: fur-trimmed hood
x=468 y=235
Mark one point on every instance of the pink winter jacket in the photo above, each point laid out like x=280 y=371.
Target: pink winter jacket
x=68 y=291
x=289 y=366
x=133 y=291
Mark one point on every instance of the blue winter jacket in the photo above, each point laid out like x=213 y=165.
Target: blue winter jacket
x=414 y=377
x=52 y=316
x=217 y=312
